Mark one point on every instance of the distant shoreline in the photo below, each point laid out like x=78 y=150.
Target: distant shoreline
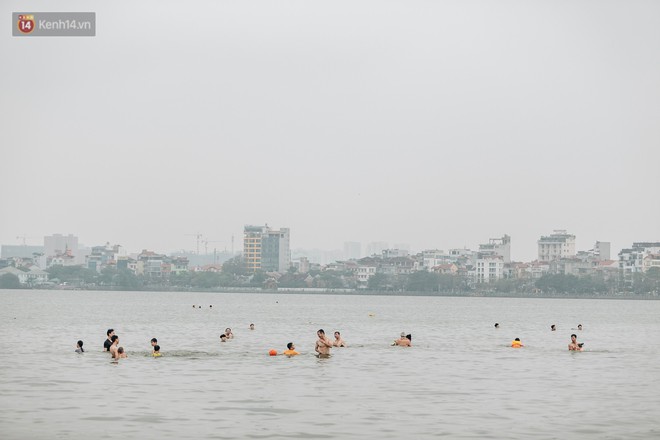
x=315 y=291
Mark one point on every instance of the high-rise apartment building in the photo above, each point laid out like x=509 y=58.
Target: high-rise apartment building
x=266 y=249
x=58 y=244
x=557 y=245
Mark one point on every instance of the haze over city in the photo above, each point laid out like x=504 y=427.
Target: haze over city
x=432 y=124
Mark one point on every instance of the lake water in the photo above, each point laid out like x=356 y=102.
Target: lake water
x=459 y=380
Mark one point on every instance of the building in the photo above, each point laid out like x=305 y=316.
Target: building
x=364 y=272
x=152 y=265
x=394 y=253
x=20 y=251
x=631 y=260
x=557 y=245
x=489 y=268
x=58 y=244
x=266 y=249
x=497 y=246
x=352 y=250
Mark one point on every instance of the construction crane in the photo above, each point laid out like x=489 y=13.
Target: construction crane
x=198 y=236
x=206 y=245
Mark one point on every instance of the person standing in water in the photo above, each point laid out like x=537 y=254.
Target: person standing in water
x=108 y=342
x=323 y=344
x=114 y=346
x=338 y=342
x=574 y=346
x=79 y=348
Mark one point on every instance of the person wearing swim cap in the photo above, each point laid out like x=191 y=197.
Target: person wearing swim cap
x=516 y=343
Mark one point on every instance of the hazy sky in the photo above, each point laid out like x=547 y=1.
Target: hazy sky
x=434 y=123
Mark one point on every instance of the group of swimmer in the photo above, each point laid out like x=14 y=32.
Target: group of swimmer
x=322 y=347
x=574 y=345
x=111 y=345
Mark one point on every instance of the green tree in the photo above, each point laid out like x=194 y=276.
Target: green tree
x=234 y=266
x=9 y=281
x=379 y=281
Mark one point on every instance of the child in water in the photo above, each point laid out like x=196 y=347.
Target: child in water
x=121 y=354
x=156 y=352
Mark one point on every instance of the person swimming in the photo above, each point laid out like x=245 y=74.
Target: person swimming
x=156 y=352
x=404 y=341
x=497 y=325
x=79 y=347
x=516 y=343
x=290 y=350
x=553 y=327
x=121 y=354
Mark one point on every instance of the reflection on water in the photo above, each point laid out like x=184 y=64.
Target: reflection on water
x=459 y=380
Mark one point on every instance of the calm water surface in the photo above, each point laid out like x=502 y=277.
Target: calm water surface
x=459 y=380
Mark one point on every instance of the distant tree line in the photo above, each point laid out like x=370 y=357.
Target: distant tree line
x=233 y=274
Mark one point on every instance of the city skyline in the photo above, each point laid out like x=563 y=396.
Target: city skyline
x=439 y=126
x=323 y=256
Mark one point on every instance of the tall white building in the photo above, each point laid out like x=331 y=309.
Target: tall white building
x=557 y=245
x=58 y=244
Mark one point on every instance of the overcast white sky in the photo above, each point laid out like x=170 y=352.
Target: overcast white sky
x=434 y=123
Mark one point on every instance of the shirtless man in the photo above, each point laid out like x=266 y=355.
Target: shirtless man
x=323 y=344
x=574 y=346
x=120 y=353
x=338 y=342
x=114 y=347
x=228 y=333
x=404 y=340
x=108 y=342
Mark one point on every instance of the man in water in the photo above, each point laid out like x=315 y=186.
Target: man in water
x=579 y=326
x=108 y=342
x=323 y=344
x=574 y=346
x=290 y=350
x=338 y=342
x=251 y=326
x=404 y=340
x=228 y=333
x=223 y=338
x=497 y=325
x=114 y=346
x=154 y=342
x=553 y=327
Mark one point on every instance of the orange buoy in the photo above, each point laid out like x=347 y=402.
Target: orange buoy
x=273 y=352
